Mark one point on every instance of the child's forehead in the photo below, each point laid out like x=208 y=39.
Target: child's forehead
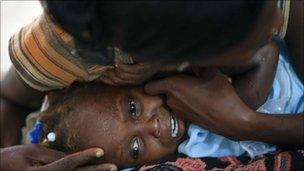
x=105 y=130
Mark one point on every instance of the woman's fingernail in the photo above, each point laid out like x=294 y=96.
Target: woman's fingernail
x=99 y=153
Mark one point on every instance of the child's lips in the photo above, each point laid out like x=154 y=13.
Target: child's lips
x=177 y=128
x=174 y=126
x=173 y=129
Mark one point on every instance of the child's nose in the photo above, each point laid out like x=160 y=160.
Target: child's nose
x=152 y=126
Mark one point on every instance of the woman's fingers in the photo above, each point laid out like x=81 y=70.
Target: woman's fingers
x=124 y=75
x=161 y=86
x=133 y=69
x=129 y=76
x=111 y=74
x=72 y=161
x=100 y=167
x=106 y=80
x=137 y=73
x=44 y=154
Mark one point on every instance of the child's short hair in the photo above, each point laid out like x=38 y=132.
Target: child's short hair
x=58 y=115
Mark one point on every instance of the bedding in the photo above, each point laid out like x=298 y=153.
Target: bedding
x=277 y=161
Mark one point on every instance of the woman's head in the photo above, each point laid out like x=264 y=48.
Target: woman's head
x=201 y=30
x=132 y=127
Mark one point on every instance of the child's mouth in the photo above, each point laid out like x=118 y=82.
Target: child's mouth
x=174 y=126
x=177 y=128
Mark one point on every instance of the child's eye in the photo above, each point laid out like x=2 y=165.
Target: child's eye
x=135 y=148
x=133 y=108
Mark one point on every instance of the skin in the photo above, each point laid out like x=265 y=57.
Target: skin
x=272 y=128
x=15 y=102
x=294 y=36
x=37 y=157
x=107 y=112
x=250 y=71
x=249 y=61
x=212 y=102
x=255 y=73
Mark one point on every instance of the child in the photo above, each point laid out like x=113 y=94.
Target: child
x=134 y=128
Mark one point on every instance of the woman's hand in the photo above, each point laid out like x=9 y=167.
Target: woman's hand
x=124 y=74
x=139 y=73
x=209 y=101
x=37 y=157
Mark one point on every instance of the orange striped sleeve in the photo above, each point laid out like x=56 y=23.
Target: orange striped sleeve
x=41 y=57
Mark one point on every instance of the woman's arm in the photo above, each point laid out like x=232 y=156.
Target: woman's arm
x=214 y=105
x=294 y=36
x=17 y=100
x=278 y=129
x=13 y=88
x=36 y=157
x=253 y=81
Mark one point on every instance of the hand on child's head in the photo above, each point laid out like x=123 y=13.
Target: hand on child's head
x=128 y=74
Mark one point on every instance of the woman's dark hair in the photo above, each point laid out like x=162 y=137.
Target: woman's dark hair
x=161 y=29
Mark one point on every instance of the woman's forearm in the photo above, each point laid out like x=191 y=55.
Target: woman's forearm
x=283 y=130
x=253 y=86
x=14 y=89
x=17 y=100
x=11 y=121
x=214 y=105
x=294 y=36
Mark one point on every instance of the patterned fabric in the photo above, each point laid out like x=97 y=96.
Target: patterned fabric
x=46 y=57
x=279 y=161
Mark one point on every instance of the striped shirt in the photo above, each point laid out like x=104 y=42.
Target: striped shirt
x=46 y=57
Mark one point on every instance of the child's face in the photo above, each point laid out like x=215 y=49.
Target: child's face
x=132 y=127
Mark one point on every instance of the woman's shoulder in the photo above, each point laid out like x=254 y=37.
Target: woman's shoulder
x=294 y=36
x=270 y=51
